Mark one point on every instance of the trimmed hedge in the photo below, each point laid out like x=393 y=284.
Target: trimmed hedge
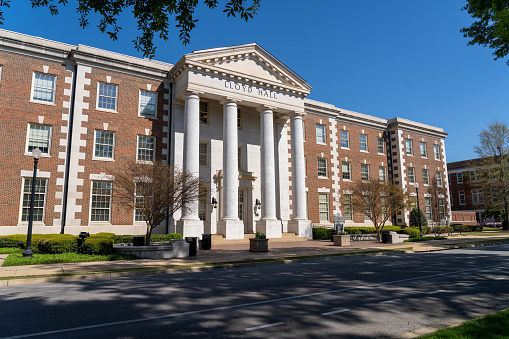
x=8 y=242
x=321 y=233
x=121 y=239
x=96 y=245
x=46 y=243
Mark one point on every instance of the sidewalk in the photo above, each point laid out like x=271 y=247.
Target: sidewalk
x=219 y=256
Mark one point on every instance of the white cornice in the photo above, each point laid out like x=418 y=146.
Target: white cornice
x=31 y=44
x=417 y=127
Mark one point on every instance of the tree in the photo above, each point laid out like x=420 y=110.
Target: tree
x=493 y=166
x=492 y=27
x=155 y=191
x=414 y=217
x=377 y=200
x=152 y=16
x=436 y=193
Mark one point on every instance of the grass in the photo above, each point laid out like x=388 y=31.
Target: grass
x=492 y=326
x=425 y=239
x=483 y=234
x=9 y=250
x=16 y=259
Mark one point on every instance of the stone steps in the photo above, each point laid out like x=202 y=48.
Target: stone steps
x=287 y=237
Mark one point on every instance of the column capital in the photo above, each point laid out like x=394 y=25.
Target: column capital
x=189 y=93
x=298 y=114
x=226 y=100
x=265 y=108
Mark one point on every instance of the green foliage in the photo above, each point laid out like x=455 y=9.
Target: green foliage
x=103 y=235
x=414 y=232
x=495 y=213
x=9 y=250
x=8 y=242
x=260 y=235
x=100 y=246
x=17 y=259
x=321 y=233
x=126 y=239
x=414 y=218
x=55 y=245
x=425 y=239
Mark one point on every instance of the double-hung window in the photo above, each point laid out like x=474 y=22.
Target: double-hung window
x=148 y=104
x=43 y=87
x=409 y=147
x=146 y=148
x=477 y=197
x=425 y=176
x=473 y=176
x=345 y=138
x=439 y=178
x=323 y=206
x=204 y=154
x=202 y=204
x=39 y=199
x=140 y=191
x=380 y=145
x=322 y=167
x=320 y=134
x=441 y=208
x=364 y=172
x=107 y=96
x=346 y=168
x=461 y=196
x=459 y=177
x=411 y=175
x=427 y=204
x=204 y=112
x=39 y=136
x=382 y=173
x=363 y=142
x=100 y=209
x=424 y=152
x=436 y=152
x=104 y=144
x=348 y=207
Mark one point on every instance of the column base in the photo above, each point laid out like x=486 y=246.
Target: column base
x=190 y=228
x=271 y=228
x=299 y=227
x=231 y=228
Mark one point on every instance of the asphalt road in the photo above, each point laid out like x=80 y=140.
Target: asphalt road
x=355 y=297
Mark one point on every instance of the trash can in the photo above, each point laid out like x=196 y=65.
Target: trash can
x=193 y=242
x=206 y=241
x=386 y=237
x=139 y=241
x=332 y=234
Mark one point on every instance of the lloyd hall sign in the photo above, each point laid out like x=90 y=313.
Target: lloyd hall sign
x=248 y=89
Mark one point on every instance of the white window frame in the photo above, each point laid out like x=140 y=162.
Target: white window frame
x=320 y=134
x=459 y=176
x=425 y=177
x=27 y=142
x=324 y=166
x=145 y=104
x=348 y=207
x=440 y=182
x=342 y=134
x=461 y=198
x=203 y=204
x=425 y=149
x=138 y=149
x=32 y=99
x=477 y=197
x=363 y=145
x=364 y=166
x=349 y=170
x=20 y=218
x=382 y=173
x=204 y=109
x=136 y=197
x=427 y=208
x=202 y=155
x=99 y=83
x=380 y=145
x=411 y=175
x=322 y=204
x=94 y=156
x=1 y=67
x=473 y=176
x=91 y=202
x=409 y=147
x=436 y=152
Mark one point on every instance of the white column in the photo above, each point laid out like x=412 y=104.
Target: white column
x=299 y=219
x=230 y=225
x=268 y=224
x=190 y=224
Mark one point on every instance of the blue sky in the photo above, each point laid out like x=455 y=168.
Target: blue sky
x=388 y=59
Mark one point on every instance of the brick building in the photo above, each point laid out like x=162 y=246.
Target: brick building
x=236 y=116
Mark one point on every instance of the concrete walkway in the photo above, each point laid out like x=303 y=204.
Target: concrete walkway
x=219 y=256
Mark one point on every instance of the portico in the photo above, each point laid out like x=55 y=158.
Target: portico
x=232 y=111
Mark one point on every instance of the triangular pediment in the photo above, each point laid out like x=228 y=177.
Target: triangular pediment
x=249 y=63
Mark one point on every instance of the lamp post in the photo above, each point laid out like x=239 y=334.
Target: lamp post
x=36 y=153
x=418 y=208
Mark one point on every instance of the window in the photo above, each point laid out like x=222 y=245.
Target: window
x=439 y=178
x=409 y=147
x=139 y=201
x=380 y=145
x=101 y=201
x=320 y=134
x=0 y=74
x=411 y=175
x=364 y=172
x=461 y=195
x=459 y=178
x=473 y=176
x=363 y=142
x=427 y=204
x=441 y=208
x=346 y=167
x=367 y=209
x=436 y=152
x=39 y=136
x=146 y=148
x=39 y=199
x=107 y=98
x=425 y=176
x=43 y=87
x=345 y=139
x=239 y=118
x=477 y=197
x=104 y=144
x=424 y=152
x=204 y=154
x=382 y=174
x=348 y=207
x=239 y=158
x=322 y=167
x=204 y=112
x=323 y=206
x=450 y=197
x=148 y=104
x=202 y=204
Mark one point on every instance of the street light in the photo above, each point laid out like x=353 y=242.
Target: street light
x=418 y=208
x=36 y=153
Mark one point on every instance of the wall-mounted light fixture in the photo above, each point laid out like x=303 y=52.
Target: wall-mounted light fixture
x=214 y=202
x=258 y=204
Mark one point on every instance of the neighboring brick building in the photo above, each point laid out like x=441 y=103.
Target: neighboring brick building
x=92 y=111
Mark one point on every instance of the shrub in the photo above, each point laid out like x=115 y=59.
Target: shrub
x=412 y=232
x=55 y=245
x=414 y=218
x=97 y=245
x=260 y=235
x=321 y=233
x=8 y=242
x=103 y=235
x=121 y=239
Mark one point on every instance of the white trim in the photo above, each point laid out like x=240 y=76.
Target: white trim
x=44 y=155
x=106 y=223
x=20 y=210
x=1 y=66
x=139 y=104
x=102 y=177
x=97 y=98
x=51 y=103
x=137 y=148
x=94 y=157
x=40 y=174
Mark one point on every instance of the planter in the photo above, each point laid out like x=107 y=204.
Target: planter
x=258 y=245
x=177 y=248
x=342 y=240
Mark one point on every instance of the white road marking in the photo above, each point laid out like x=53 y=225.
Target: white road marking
x=472 y=284
x=269 y=301
x=389 y=301
x=338 y=311
x=437 y=291
x=263 y=326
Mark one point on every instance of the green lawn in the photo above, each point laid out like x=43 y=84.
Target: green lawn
x=9 y=250
x=493 y=326
x=17 y=259
x=425 y=239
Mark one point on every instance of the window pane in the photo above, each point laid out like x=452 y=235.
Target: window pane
x=424 y=153
x=322 y=167
x=39 y=198
x=348 y=207
x=146 y=147
x=320 y=133
x=107 y=96
x=44 y=87
x=425 y=176
x=148 y=103
x=345 y=140
x=101 y=200
x=411 y=175
x=380 y=145
x=409 y=149
x=323 y=206
x=364 y=172
x=382 y=173
x=363 y=142
x=104 y=143
x=436 y=152
x=204 y=112
x=39 y=137
x=346 y=168
x=204 y=154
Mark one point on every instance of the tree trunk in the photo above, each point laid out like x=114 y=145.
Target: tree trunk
x=147 y=235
